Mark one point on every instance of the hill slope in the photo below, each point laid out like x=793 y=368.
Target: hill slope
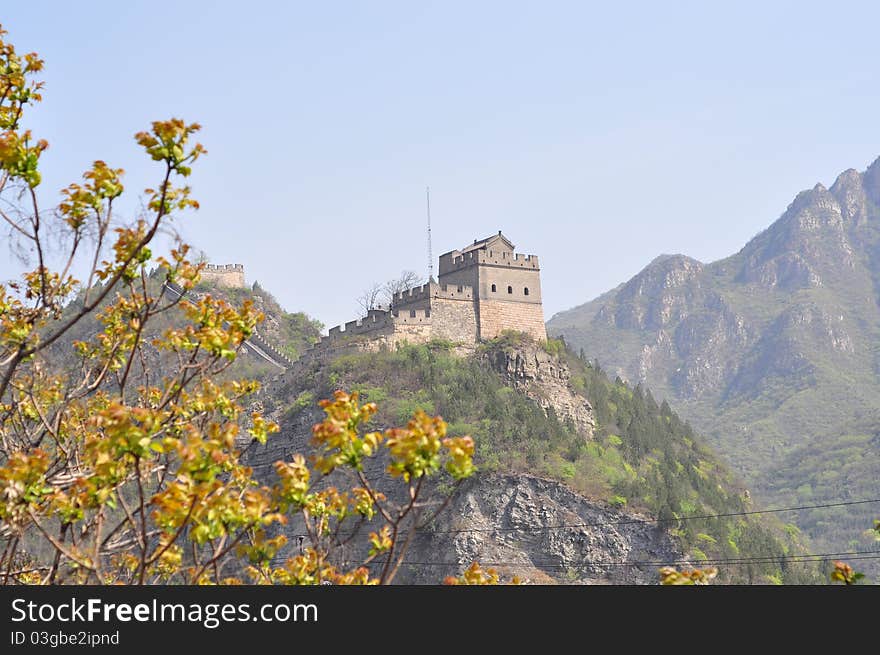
x=772 y=353
x=614 y=453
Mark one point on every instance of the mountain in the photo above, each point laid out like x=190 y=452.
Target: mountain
x=573 y=467
x=773 y=353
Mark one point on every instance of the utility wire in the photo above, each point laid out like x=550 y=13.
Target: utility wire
x=763 y=559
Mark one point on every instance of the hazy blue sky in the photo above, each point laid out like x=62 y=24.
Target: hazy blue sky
x=596 y=135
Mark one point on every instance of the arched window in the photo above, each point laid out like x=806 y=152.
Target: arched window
x=526 y=291
x=509 y=289
x=494 y=288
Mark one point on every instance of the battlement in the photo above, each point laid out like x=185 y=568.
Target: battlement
x=456 y=260
x=375 y=320
x=224 y=275
x=222 y=268
x=432 y=290
x=379 y=319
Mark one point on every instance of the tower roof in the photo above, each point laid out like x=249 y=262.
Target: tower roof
x=488 y=242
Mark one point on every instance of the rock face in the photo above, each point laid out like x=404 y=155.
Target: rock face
x=512 y=523
x=658 y=295
x=767 y=351
x=545 y=379
x=804 y=290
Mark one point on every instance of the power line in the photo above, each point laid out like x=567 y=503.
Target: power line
x=655 y=520
x=762 y=559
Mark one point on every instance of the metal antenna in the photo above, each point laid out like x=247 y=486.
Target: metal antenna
x=430 y=253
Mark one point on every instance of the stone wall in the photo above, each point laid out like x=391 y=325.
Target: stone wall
x=408 y=333
x=517 y=279
x=454 y=260
x=380 y=329
x=376 y=320
x=224 y=275
x=423 y=296
x=454 y=320
x=497 y=316
x=466 y=277
x=421 y=302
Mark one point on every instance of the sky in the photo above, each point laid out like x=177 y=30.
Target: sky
x=595 y=135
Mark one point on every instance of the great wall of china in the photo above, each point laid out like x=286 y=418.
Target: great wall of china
x=484 y=289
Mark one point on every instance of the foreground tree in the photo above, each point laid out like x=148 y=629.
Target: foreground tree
x=669 y=575
x=123 y=466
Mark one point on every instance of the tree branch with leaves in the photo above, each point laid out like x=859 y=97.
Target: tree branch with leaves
x=124 y=467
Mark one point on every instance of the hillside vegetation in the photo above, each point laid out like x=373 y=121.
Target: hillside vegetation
x=643 y=455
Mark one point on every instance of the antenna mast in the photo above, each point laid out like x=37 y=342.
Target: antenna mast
x=430 y=254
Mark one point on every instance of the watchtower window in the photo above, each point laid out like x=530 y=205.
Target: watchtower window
x=494 y=288
x=412 y=313
x=509 y=289
x=526 y=291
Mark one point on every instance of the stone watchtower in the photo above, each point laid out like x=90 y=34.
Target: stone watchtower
x=506 y=286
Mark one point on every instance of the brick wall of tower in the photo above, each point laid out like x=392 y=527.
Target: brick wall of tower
x=510 y=306
x=497 y=316
x=454 y=320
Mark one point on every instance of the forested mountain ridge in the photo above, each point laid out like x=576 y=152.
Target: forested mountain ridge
x=772 y=352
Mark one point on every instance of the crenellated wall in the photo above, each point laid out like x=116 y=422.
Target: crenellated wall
x=421 y=296
x=224 y=275
x=375 y=321
x=455 y=260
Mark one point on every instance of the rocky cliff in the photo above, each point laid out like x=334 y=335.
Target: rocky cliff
x=542 y=532
x=544 y=378
x=769 y=351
